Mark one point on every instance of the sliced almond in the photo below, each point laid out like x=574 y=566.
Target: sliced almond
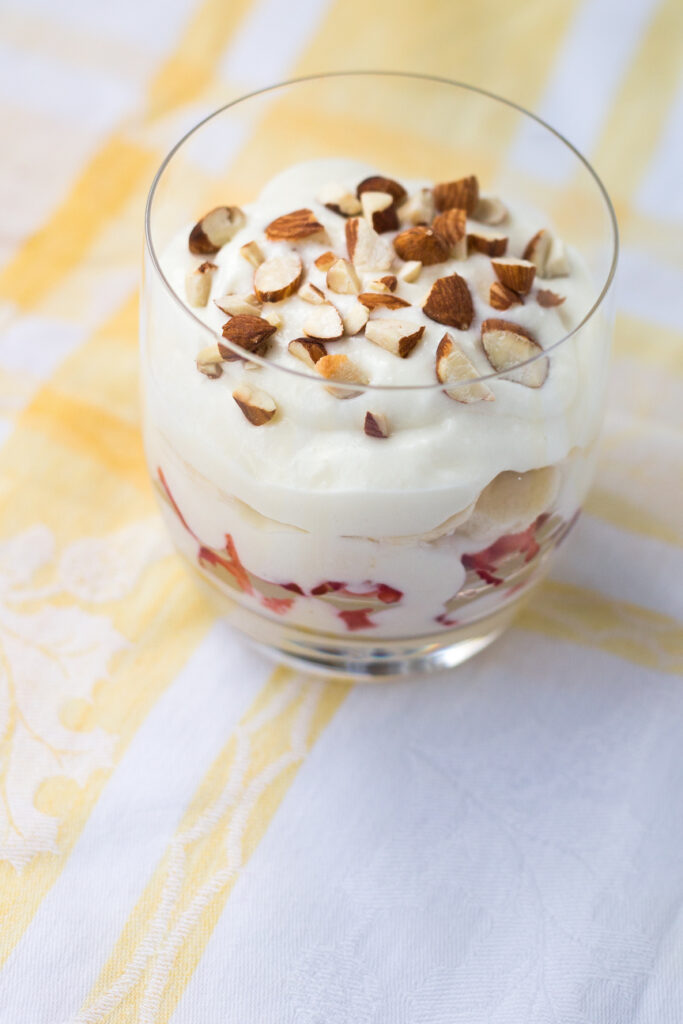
x=449 y=302
x=502 y=297
x=311 y=293
x=490 y=210
x=557 y=264
x=341 y=369
x=463 y=194
x=375 y=425
x=367 y=250
x=379 y=211
x=256 y=405
x=215 y=228
x=506 y=344
x=490 y=245
x=307 y=351
x=378 y=183
x=209 y=362
x=324 y=323
x=251 y=333
x=278 y=277
x=355 y=319
x=423 y=244
x=379 y=300
x=544 y=297
x=451 y=225
x=515 y=274
x=236 y=304
x=251 y=252
x=339 y=199
x=294 y=226
x=538 y=249
x=342 y=278
x=391 y=281
x=453 y=365
x=273 y=318
x=198 y=283
x=325 y=260
x=396 y=336
x=410 y=271
x=418 y=208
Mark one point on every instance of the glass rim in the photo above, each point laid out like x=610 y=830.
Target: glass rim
x=440 y=80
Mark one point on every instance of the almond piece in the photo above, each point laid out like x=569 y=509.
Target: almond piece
x=378 y=210
x=557 y=264
x=278 y=277
x=339 y=199
x=340 y=368
x=490 y=210
x=463 y=194
x=236 y=304
x=418 y=208
x=490 y=245
x=311 y=293
x=324 y=323
x=214 y=229
x=342 y=278
x=209 y=362
x=378 y=183
x=410 y=271
x=538 y=249
x=307 y=351
x=423 y=244
x=355 y=319
x=251 y=252
x=366 y=249
x=502 y=297
x=396 y=336
x=391 y=281
x=378 y=286
x=325 y=260
x=515 y=274
x=273 y=318
x=257 y=406
x=378 y=300
x=451 y=225
x=294 y=226
x=506 y=344
x=375 y=425
x=453 y=365
x=249 y=332
x=198 y=283
x=546 y=298
x=449 y=302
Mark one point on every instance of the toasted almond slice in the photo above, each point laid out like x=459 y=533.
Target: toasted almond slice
x=490 y=245
x=410 y=271
x=251 y=333
x=307 y=351
x=515 y=274
x=294 y=226
x=278 y=277
x=391 y=281
x=449 y=302
x=209 y=362
x=379 y=300
x=546 y=298
x=339 y=199
x=378 y=183
x=367 y=250
x=423 y=244
x=490 y=210
x=251 y=252
x=340 y=368
x=325 y=260
x=379 y=210
x=506 y=344
x=538 y=249
x=273 y=318
x=418 y=208
x=214 y=229
x=375 y=425
x=557 y=264
x=324 y=323
x=502 y=297
x=198 y=283
x=257 y=406
x=236 y=304
x=378 y=286
x=453 y=365
x=451 y=225
x=463 y=194
x=396 y=336
x=355 y=319
x=311 y=293
x=342 y=278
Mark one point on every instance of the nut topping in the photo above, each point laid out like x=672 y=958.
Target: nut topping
x=378 y=183
x=490 y=210
x=340 y=368
x=423 y=244
x=557 y=264
x=506 y=344
x=451 y=225
x=311 y=293
x=463 y=194
x=418 y=209
x=379 y=300
x=453 y=365
x=324 y=323
x=396 y=336
x=236 y=304
x=538 y=250
x=390 y=280
x=449 y=302
x=410 y=271
x=546 y=298
x=367 y=250
x=338 y=199
x=249 y=332
x=379 y=211
x=198 y=283
x=251 y=252
x=502 y=297
x=256 y=405
x=342 y=278
x=307 y=351
x=278 y=277
x=273 y=318
x=376 y=425
x=355 y=319
x=215 y=228
x=515 y=274
x=293 y=227
x=325 y=260
x=209 y=362
x=490 y=245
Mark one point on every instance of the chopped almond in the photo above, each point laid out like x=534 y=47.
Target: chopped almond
x=209 y=362
x=396 y=336
x=256 y=405
x=236 y=304
x=418 y=209
x=423 y=244
x=278 y=277
x=506 y=345
x=391 y=281
x=538 y=249
x=251 y=252
x=251 y=333
x=557 y=264
x=449 y=302
x=339 y=199
x=367 y=250
x=490 y=245
x=378 y=183
x=341 y=369
x=410 y=271
x=379 y=300
x=325 y=260
x=546 y=298
x=453 y=366
x=198 y=283
x=342 y=278
x=375 y=425
x=379 y=211
x=311 y=293
x=355 y=319
x=490 y=210
x=307 y=351
x=515 y=274
x=295 y=226
x=451 y=225
x=273 y=318
x=324 y=323
x=501 y=297
x=215 y=228
x=463 y=194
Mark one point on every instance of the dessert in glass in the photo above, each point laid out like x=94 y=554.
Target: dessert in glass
x=374 y=358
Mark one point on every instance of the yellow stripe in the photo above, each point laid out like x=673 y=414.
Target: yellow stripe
x=582 y=616
x=623 y=512
x=654 y=345
x=222 y=827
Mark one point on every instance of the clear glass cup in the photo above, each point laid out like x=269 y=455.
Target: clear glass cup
x=354 y=574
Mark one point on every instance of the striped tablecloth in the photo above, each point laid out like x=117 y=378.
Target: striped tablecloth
x=187 y=835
